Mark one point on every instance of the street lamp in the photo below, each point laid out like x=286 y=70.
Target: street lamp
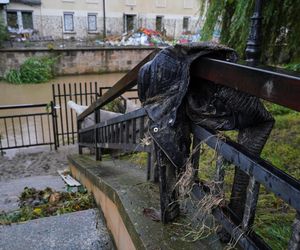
x=253 y=49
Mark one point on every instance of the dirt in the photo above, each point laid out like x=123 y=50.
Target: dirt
x=34 y=162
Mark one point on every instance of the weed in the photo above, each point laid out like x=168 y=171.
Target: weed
x=43 y=203
x=33 y=70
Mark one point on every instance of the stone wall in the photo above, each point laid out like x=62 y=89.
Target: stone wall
x=78 y=61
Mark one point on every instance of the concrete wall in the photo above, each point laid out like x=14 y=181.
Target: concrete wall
x=79 y=61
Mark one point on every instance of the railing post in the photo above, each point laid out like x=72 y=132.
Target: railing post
x=251 y=203
x=294 y=243
x=253 y=49
x=196 y=157
x=96 y=135
x=78 y=136
x=54 y=125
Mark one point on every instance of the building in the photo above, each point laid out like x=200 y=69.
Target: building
x=89 y=18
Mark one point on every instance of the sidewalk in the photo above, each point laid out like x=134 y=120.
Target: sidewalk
x=37 y=167
x=79 y=230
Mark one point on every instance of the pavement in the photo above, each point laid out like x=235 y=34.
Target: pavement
x=37 y=168
x=10 y=190
x=78 y=230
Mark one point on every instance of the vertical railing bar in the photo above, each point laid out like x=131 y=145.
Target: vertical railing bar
x=71 y=111
x=127 y=132
x=96 y=90
x=85 y=94
x=142 y=120
x=80 y=89
x=5 y=125
x=91 y=93
x=35 y=130
x=42 y=126
x=20 y=122
x=49 y=130
x=61 y=117
x=121 y=132
x=251 y=203
x=75 y=90
x=66 y=114
x=28 y=130
x=133 y=131
x=13 y=125
x=54 y=119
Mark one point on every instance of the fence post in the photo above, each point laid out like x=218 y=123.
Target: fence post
x=54 y=125
x=96 y=135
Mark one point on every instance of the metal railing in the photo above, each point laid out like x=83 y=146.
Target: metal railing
x=277 y=87
x=27 y=125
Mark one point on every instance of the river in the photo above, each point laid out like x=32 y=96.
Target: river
x=19 y=131
x=42 y=93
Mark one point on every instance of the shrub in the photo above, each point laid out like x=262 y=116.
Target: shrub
x=3 y=32
x=33 y=70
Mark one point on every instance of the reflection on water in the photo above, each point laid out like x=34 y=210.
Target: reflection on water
x=42 y=93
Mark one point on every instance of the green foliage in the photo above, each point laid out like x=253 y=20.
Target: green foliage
x=33 y=70
x=281 y=29
x=293 y=67
x=277 y=110
x=214 y=11
x=3 y=32
x=116 y=105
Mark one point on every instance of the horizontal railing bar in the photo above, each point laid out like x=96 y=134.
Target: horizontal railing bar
x=20 y=106
x=281 y=184
x=23 y=115
x=129 y=90
x=123 y=85
x=272 y=86
x=88 y=93
x=27 y=145
x=124 y=146
x=122 y=118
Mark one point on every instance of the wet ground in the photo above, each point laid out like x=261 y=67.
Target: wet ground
x=79 y=230
x=37 y=167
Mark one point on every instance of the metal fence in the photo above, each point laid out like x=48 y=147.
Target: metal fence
x=27 y=125
x=255 y=81
x=81 y=93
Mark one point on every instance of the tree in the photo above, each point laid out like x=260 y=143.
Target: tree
x=281 y=29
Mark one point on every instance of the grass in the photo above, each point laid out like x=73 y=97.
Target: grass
x=273 y=218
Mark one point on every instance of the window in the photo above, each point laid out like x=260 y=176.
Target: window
x=68 y=22
x=161 y=3
x=159 y=23
x=27 y=20
x=129 y=22
x=188 y=4
x=12 y=19
x=131 y=2
x=185 y=24
x=92 y=22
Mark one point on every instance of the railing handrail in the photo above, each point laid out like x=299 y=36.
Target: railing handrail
x=125 y=83
x=279 y=88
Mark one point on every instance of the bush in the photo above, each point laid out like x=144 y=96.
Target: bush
x=3 y=32
x=33 y=70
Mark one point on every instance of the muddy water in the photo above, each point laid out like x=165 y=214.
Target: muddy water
x=42 y=93
x=36 y=130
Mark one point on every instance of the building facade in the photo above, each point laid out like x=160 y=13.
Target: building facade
x=89 y=18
